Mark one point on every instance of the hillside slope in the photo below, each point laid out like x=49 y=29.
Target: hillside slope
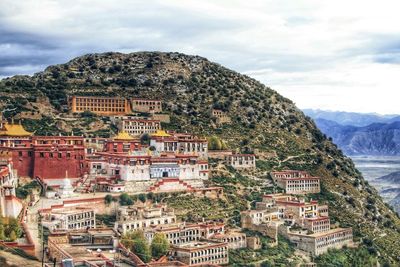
x=190 y=87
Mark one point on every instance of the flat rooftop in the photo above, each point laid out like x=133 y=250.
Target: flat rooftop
x=71 y=210
x=321 y=234
x=199 y=245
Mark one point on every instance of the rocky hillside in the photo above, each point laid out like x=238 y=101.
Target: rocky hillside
x=190 y=87
x=381 y=139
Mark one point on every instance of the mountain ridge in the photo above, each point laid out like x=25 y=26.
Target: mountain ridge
x=351 y=118
x=378 y=139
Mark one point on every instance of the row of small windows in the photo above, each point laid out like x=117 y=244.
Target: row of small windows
x=91 y=105
x=81 y=216
x=148 y=103
x=80 y=225
x=291 y=176
x=209 y=252
x=337 y=238
x=91 y=100
x=136 y=127
x=219 y=260
x=50 y=154
x=145 y=224
x=68 y=142
x=246 y=158
x=100 y=109
x=303 y=182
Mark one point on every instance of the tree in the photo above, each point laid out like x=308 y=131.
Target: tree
x=142 y=198
x=12 y=227
x=13 y=236
x=214 y=143
x=137 y=243
x=223 y=145
x=108 y=199
x=145 y=139
x=88 y=114
x=150 y=196
x=2 y=236
x=125 y=199
x=159 y=245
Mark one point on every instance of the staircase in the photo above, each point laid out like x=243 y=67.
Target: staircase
x=85 y=184
x=170 y=185
x=42 y=184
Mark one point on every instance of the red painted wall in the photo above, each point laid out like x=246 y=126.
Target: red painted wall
x=22 y=161
x=34 y=158
x=54 y=162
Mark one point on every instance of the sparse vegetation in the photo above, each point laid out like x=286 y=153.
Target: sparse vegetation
x=190 y=86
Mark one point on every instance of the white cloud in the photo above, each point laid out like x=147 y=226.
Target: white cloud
x=338 y=55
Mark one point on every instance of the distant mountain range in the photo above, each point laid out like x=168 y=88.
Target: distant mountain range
x=380 y=136
x=393 y=177
x=351 y=118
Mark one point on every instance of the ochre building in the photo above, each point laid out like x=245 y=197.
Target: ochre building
x=100 y=105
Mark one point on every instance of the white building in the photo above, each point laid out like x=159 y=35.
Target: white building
x=139 y=126
x=235 y=240
x=140 y=217
x=241 y=161
x=181 y=143
x=206 y=252
x=69 y=218
x=307 y=224
x=10 y=205
x=296 y=182
x=319 y=243
x=147 y=168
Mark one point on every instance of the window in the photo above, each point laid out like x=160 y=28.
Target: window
x=20 y=153
x=41 y=155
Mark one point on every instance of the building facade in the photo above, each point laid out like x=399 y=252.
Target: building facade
x=146 y=105
x=204 y=252
x=100 y=105
x=296 y=182
x=184 y=233
x=306 y=224
x=69 y=219
x=140 y=217
x=181 y=143
x=235 y=240
x=147 y=168
x=138 y=127
x=319 y=243
x=46 y=157
x=10 y=205
x=220 y=116
x=241 y=161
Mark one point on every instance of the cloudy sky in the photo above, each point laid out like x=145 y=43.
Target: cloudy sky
x=332 y=54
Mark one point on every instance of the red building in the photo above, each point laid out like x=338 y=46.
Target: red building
x=57 y=156
x=123 y=143
x=47 y=157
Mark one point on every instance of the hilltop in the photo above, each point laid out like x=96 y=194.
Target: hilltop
x=190 y=86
